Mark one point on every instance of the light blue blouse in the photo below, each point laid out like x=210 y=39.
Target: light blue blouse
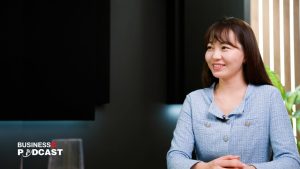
x=258 y=130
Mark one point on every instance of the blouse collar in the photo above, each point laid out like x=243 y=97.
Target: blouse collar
x=214 y=109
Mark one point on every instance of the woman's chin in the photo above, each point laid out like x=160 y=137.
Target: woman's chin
x=218 y=75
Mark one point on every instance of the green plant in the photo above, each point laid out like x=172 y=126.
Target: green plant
x=291 y=99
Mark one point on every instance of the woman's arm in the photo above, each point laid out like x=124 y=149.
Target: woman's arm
x=285 y=153
x=180 y=154
x=224 y=162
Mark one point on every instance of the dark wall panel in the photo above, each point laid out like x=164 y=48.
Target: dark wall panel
x=56 y=59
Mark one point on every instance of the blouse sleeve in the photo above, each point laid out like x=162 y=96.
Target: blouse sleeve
x=285 y=153
x=180 y=154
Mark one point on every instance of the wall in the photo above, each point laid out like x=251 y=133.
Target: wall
x=131 y=131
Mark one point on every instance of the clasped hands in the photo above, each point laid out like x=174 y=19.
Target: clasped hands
x=224 y=162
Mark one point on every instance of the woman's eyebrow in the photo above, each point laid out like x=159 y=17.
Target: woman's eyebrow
x=226 y=43
x=229 y=43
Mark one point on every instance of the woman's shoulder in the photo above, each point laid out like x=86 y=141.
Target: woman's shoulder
x=201 y=93
x=200 y=97
x=265 y=88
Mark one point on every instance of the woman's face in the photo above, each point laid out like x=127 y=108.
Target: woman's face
x=225 y=59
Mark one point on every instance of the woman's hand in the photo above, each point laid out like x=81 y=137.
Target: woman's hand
x=224 y=162
x=249 y=167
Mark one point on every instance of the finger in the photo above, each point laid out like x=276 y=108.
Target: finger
x=221 y=168
x=231 y=163
x=227 y=168
x=230 y=157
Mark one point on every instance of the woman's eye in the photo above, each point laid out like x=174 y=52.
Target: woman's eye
x=208 y=47
x=225 y=47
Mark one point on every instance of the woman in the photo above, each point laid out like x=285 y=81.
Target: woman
x=239 y=120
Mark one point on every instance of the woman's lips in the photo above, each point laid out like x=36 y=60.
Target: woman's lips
x=218 y=67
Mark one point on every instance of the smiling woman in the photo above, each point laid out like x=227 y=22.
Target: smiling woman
x=239 y=120
x=225 y=59
x=232 y=38
x=187 y=23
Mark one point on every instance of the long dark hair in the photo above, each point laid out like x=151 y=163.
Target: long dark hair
x=253 y=68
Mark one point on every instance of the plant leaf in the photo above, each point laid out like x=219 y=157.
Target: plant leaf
x=298 y=144
x=298 y=125
x=297 y=100
x=290 y=100
x=297 y=114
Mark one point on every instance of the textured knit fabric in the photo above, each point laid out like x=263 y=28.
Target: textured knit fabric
x=258 y=130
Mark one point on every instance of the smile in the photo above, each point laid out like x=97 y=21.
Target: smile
x=218 y=67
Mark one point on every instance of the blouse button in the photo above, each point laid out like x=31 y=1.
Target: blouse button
x=247 y=123
x=208 y=125
x=225 y=138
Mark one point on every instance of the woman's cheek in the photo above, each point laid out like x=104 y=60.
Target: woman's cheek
x=207 y=57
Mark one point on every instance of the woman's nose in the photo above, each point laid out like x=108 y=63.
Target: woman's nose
x=216 y=54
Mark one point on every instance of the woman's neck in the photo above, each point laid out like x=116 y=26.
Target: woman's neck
x=229 y=94
x=231 y=86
